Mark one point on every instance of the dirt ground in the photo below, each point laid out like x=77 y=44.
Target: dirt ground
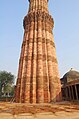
x=63 y=110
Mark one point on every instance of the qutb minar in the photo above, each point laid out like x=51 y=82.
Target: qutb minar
x=38 y=76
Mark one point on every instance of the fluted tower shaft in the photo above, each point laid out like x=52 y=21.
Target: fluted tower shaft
x=38 y=76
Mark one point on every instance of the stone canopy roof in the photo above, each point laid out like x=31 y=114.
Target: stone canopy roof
x=72 y=74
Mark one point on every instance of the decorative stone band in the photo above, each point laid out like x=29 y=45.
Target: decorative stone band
x=43 y=41
x=37 y=16
x=40 y=57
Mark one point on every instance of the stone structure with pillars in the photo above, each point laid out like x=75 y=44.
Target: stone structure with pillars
x=38 y=76
x=70 y=86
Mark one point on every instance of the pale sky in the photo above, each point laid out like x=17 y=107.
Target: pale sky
x=66 y=33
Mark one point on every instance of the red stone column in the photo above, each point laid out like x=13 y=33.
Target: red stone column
x=45 y=65
x=40 y=92
x=29 y=64
x=56 y=78
x=24 y=67
x=50 y=68
x=19 y=80
x=38 y=77
x=34 y=64
x=54 y=81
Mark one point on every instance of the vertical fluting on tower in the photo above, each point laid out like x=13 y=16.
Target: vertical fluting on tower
x=40 y=95
x=34 y=62
x=38 y=77
x=45 y=64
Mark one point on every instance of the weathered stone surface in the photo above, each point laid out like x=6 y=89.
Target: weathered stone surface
x=61 y=110
x=38 y=77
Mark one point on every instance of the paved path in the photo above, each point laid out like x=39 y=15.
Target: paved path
x=43 y=111
x=48 y=115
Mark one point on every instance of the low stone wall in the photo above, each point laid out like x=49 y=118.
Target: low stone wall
x=6 y=99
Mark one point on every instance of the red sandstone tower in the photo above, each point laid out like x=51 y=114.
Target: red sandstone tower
x=38 y=77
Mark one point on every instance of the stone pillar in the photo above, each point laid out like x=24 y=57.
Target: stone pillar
x=29 y=63
x=34 y=64
x=76 y=92
x=19 y=81
x=50 y=68
x=54 y=83
x=24 y=68
x=45 y=65
x=38 y=77
x=69 y=93
x=72 y=92
x=40 y=93
x=66 y=93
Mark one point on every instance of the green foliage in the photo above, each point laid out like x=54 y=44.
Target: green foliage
x=7 y=77
x=6 y=82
